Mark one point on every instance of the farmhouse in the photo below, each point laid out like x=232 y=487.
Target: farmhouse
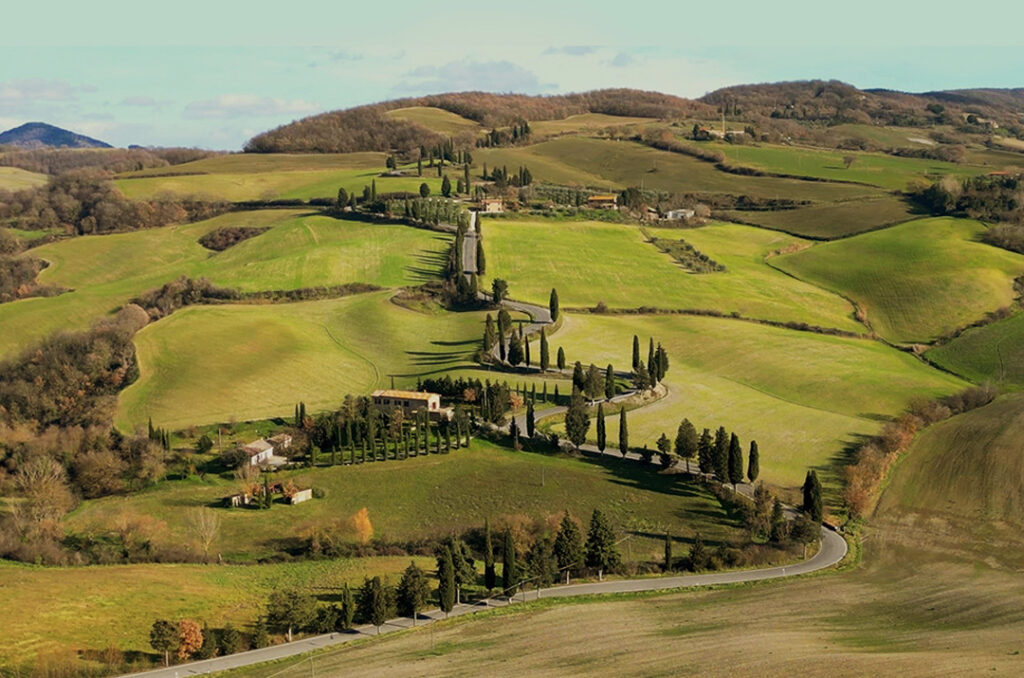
x=411 y=402
x=493 y=205
x=259 y=451
x=282 y=441
x=603 y=201
x=679 y=215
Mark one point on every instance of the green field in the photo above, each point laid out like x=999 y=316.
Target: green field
x=436 y=119
x=590 y=262
x=301 y=250
x=462 y=488
x=262 y=163
x=209 y=364
x=992 y=353
x=804 y=397
x=17 y=179
x=895 y=137
x=917 y=280
x=619 y=164
x=876 y=169
x=831 y=220
x=584 y=122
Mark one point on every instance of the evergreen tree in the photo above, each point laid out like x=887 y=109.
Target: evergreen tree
x=623 y=432
x=609 y=382
x=661 y=357
x=342 y=198
x=577 y=421
x=163 y=637
x=290 y=609
x=348 y=608
x=601 y=434
x=699 y=558
x=373 y=190
x=499 y=290
x=529 y=419
x=579 y=377
x=446 y=187
x=413 y=591
x=465 y=176
x=481 y=265
x=445 y=580
x=560 y=359
x=706 y=453
x=636 y=352
x=812 y=497
x=601 y=552
x=515 y=350
x=753 y=462
x=721 y=455
x=490 y=578
x=669 y=562
x=424 y=190
x=686 y=441
x=381 y=604
x=779 y=524
x=526 y=351
x=541 y=562
x=545 y=357
x=553 y=304
x=569 y=552
x=513 y=432
x=594 y=383
x=509 y=568
x=419 y=167
x=664 y=451
x=735 y=461
x=642 y=378
x=260 y=634
x=490 y=337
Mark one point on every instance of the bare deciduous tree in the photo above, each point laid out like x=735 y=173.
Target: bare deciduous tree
x=204 y=524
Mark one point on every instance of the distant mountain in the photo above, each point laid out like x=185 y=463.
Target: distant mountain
x=41 y=135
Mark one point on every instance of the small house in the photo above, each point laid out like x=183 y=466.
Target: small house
x=282 y=441
x=259 y=451
x=603 y=201
x=411 y=402
x=679 y=215
x=492 y=205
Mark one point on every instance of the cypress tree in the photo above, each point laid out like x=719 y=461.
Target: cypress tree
x=601 y=439
x=490 y=338
x=515 y=350
x=413 y=591
x=594 y=383
x=569 y=546
x=698 y=554
x=529 y=419
x=669 y=562
x=753 y=462
x=526 y=351
x=602 y=554
x=636 y=352
x=465 y=176
x=706 y=453
x=735 y=461
x=577 y=421
x=609 y=382
x=650 y=356
x=490 y=579
x=623 y=432
x=553 y=304
x=446 y=186
x=545 y=358
x=481 y=265
x=560 y=358
x=579 y=378
x=342 y=198
x=509 y=570
x=419 y=167
x=555 y=397
x=812 y=497
x=373 y=190
x=721 y=455
x=544 y=395
x=445 y=580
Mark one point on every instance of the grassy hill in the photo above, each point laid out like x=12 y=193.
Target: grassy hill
x=590 y=262
x=17 y=179
x=804 y=397
x=917 y=280
x=828 y=221
x=209 y=364
x=300 y=250
x=436 y=119
x=992 y=353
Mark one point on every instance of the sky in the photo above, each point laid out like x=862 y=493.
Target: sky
x=213 y=74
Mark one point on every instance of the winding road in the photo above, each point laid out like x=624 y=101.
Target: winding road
x=833 y=549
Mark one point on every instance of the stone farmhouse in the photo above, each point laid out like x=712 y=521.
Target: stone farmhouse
x=411 y=403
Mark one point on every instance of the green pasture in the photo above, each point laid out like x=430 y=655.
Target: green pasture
x=804 y=397
x=584 y=122
x=992 y=353
x=832 y=220
x=436 y=119
x=916 y=280
x=263 y=163
x=213 y=363
x=589 y=262
x=17 y=179
x=300 y=250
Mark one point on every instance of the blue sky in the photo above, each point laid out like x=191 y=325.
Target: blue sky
x=212 y=74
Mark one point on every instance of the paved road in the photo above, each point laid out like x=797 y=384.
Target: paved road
x=469 y=248
x=833 y=549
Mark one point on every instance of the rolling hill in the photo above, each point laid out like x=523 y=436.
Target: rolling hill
x=41 y=135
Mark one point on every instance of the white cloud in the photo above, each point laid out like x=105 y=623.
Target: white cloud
x=247 y=105
x=141 y=101
x=454 y=76
x=37 y=89
x=572 y=50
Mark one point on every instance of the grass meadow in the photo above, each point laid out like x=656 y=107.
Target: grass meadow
x=992 y=353
x=589 y=262
x=832 y=220
x=915 y=281
x=17 y=179
x=300 y=250
x=436 y=119
x=804 y=397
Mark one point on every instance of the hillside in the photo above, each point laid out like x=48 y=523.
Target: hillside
x=40 y=135
x=371 y=128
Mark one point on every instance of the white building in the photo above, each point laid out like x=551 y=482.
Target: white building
x=259 y=451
